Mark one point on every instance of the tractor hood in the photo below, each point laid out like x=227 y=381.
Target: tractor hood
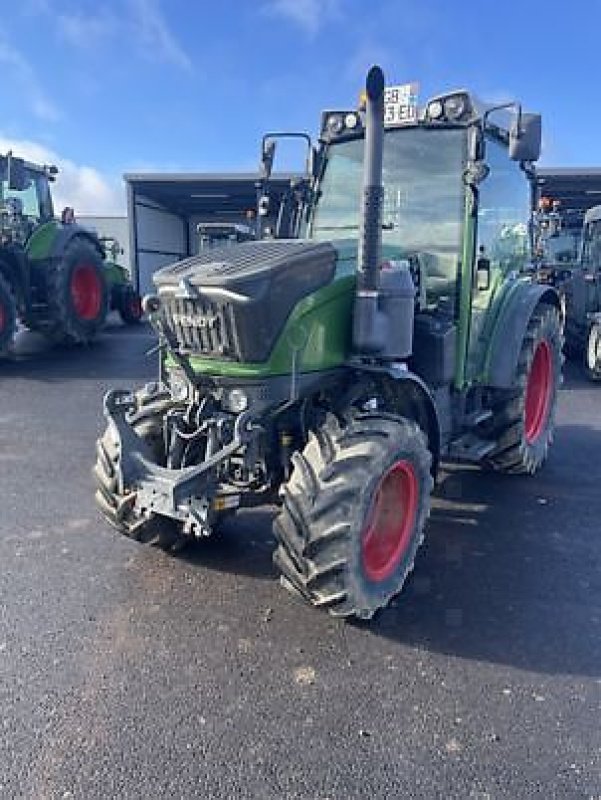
x=233 y=301
x=253 y=264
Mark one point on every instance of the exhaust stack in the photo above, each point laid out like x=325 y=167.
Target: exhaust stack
x=370 y=224
x=384 y=300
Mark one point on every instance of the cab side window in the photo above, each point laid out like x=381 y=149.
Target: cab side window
x=504 y=211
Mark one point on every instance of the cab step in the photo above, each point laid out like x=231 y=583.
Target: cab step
x=471 y=448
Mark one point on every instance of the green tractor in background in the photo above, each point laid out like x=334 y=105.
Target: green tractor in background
x=332 y=373
x=123 y=298
x=569 y=258
x=51 y=273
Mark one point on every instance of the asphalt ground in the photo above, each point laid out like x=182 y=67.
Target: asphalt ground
x=128 y=673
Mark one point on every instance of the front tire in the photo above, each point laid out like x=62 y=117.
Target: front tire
x=354 y=512
x=592 y=352
x=8 y=315
x=113 y=501
x=524 y=422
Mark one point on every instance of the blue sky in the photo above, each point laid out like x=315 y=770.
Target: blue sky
x=134 y=85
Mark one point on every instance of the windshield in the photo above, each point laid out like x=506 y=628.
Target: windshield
x=34 y=198
x=423 y=194
x=563 y=247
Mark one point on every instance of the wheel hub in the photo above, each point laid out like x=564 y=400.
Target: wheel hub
x=86 y=292
x=391 y=521
x=539 y=389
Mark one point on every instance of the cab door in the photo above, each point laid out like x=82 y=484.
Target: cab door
x=502 y=242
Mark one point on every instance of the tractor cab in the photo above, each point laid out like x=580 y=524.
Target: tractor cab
x=25 y=198
x=457 y=195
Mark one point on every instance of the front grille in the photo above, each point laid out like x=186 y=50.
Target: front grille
x=201 y=326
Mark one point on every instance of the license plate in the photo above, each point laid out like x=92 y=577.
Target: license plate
x=400 y=104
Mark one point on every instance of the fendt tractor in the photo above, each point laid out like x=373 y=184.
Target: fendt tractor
x=569 y=257
x=123 y=298
x=51 y=273
x=332 y=373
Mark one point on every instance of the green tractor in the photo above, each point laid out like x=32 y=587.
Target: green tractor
x=51 y=273
x=583 y=297
x=569 y=258
x=123 y=298
x=332 y=373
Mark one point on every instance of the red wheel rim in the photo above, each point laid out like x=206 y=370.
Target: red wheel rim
x=390 y=522
x=539 y=390
x=135 y=307
x=86 y=291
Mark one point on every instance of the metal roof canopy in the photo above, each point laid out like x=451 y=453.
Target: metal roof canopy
x=577 y=188
x=212 y=194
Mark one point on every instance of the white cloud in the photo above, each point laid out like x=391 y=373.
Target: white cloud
x=26 y=79
x=83 y=29
x=140 y=24
x=78 y=185
x=154 y=35
x=310 y=15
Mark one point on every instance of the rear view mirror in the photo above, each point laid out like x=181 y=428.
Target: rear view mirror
x=525 y=138
x=267 y=156
x=17 y=174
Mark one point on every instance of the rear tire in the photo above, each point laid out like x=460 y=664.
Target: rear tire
x=342 y=543
x=524 y=422
x=77 y=294
x=592 y=352
x=114 y=504
x=8 y=315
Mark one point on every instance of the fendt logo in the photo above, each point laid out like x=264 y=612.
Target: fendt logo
x=196 y=320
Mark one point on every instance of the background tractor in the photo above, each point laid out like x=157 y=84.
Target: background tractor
x=569 y=258
x=123 y=298
x=51 y=273
x=332 y=373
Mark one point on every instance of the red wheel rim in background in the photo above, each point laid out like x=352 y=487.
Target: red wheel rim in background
x=135 y=307
x=391 y=520
x=86 y=291
x=539 y=390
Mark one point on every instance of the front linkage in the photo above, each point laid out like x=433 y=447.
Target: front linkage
x=188 y=494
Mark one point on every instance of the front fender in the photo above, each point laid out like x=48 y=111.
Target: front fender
x=510 y=329
x=52 y=238
x=66 y=233
x=412 y=398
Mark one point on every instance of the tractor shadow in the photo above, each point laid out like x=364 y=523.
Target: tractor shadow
x=242 y=546
x=574 y=376
x=119 y=353
x=509 y=572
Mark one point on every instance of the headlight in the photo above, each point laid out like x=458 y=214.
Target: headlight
x=435 y=110
x=335 y=123
x=179 y=386
x=455 y=107
x=236 y=401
